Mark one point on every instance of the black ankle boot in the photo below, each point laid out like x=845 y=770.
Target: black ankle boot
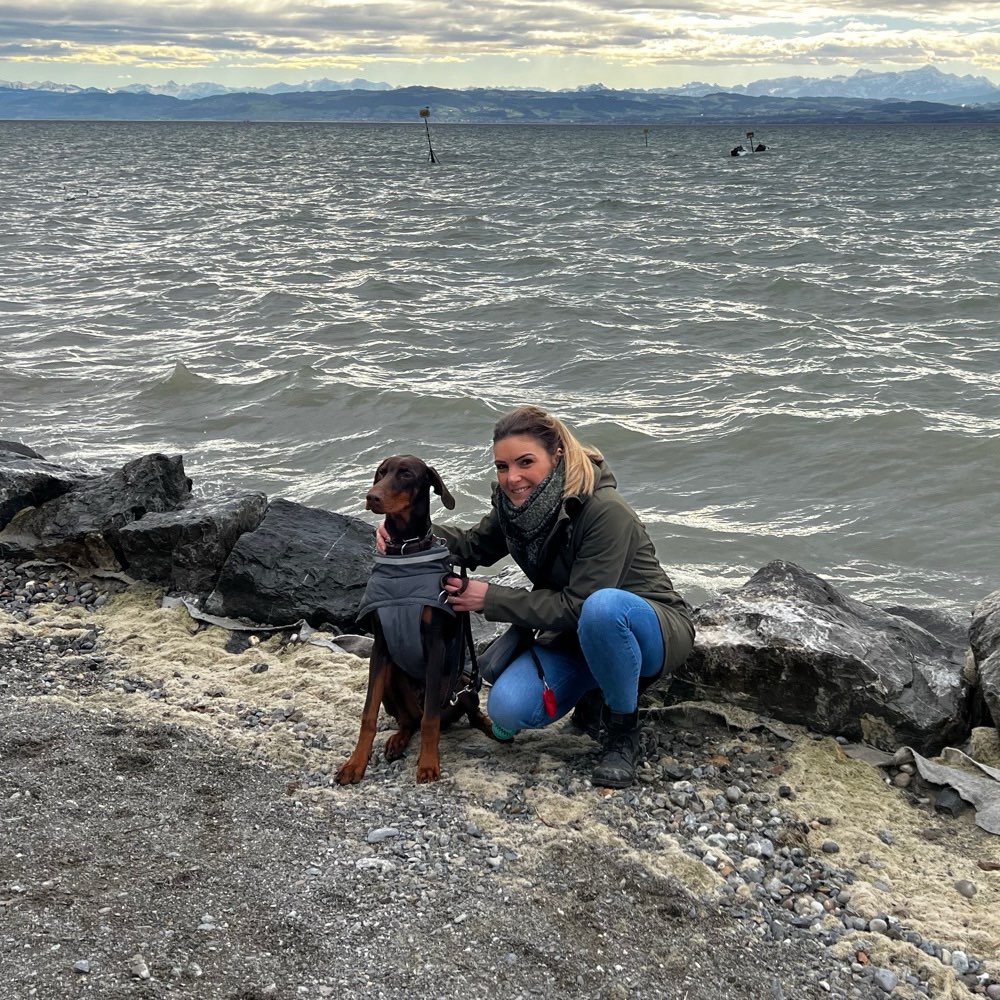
x=620 y=749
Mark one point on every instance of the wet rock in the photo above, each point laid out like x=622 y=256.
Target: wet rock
x=301 y=562
x=27 y=480
x=186 y=549
x=790 y=645
x=984 y=637
x=83 y=526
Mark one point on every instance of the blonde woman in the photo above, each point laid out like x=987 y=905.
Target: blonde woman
x=602 y=615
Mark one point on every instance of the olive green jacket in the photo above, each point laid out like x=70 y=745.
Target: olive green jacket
x=598 y=541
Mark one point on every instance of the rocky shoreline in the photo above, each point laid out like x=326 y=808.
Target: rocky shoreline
x=170 y=827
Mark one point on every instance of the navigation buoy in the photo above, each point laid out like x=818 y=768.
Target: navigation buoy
x=741 y=150
x=425 y=113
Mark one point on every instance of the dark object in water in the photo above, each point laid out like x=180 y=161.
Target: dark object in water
x=741 y=150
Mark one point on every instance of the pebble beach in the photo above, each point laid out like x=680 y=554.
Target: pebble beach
x=751 y=859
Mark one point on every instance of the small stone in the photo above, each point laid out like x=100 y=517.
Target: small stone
x=993 y=991
x=82 y=966
x=877 y=925
x=886 y=836
x=259 y=668
x=885 y=979
x=830 y=847
x=960 y=962
x=966 y=888
x=382 y=833
x=138 y=967
x=950 y=802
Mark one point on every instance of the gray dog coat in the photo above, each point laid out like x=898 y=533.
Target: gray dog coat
x=398 y=590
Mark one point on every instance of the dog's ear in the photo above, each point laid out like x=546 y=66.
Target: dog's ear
x=440 y=489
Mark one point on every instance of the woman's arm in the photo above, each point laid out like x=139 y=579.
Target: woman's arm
x=605 y=540
x=481 y=545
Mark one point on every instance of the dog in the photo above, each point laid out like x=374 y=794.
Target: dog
x=401 y=492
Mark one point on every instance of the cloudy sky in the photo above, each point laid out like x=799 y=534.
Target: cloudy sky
x=546 y=43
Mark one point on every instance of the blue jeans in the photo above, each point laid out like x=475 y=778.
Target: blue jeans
x=621 y=640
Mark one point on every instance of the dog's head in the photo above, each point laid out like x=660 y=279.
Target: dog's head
x=401 y=481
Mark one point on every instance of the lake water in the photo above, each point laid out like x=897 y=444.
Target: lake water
x=793 y=354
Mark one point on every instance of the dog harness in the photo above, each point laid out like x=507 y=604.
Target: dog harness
x=398 y=590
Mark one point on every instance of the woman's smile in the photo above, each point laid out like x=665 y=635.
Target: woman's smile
x=522 y=463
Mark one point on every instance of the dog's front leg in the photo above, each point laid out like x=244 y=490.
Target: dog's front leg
x=429 y=761
x=353 y=769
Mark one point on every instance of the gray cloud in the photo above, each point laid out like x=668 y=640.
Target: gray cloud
x=663 y=32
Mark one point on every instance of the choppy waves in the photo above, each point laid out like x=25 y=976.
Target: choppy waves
x=791 y=355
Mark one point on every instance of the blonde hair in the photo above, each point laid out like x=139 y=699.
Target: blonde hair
x=553 y=435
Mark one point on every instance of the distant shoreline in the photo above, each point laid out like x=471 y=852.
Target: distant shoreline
x=485 y=107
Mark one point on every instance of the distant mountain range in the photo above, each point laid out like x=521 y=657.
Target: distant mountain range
x=925 y=84
x=195 y=91
x=922 y=95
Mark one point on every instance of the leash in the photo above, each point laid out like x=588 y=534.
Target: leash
x=471 y=676
x=474 y=681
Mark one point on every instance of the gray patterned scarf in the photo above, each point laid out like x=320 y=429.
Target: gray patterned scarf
x=527 y=527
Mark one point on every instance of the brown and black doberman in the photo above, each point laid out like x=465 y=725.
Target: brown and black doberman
x=401 y=492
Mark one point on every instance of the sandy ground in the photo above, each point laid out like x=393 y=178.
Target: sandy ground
x=168 y=820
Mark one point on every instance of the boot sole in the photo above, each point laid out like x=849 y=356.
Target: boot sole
x=623 y=782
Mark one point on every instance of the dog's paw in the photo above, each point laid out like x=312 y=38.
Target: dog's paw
x=350 y=773
x=395 y=745
x=427 y=773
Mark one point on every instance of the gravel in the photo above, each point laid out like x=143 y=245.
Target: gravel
x=146 y=858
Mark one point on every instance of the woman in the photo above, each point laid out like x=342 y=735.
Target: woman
x=602 y=614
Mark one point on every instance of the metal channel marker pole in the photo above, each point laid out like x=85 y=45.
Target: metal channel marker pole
x=750 y=137
x=425 y=113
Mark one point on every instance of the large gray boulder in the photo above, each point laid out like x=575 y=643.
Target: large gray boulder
x=185 y=549
x=27 y=480
x=301 y=562
x=984 y=637
x=789 y=645
x=83 y=526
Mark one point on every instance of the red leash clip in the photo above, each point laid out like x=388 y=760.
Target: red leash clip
x=548 y=700
x=548 y=695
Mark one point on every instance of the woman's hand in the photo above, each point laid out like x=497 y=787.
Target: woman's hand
x=473 y=598
x=381 y=538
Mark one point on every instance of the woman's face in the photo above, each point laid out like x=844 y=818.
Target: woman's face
x=522 y=463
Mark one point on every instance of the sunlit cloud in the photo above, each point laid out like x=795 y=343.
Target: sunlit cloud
x=272 y=37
